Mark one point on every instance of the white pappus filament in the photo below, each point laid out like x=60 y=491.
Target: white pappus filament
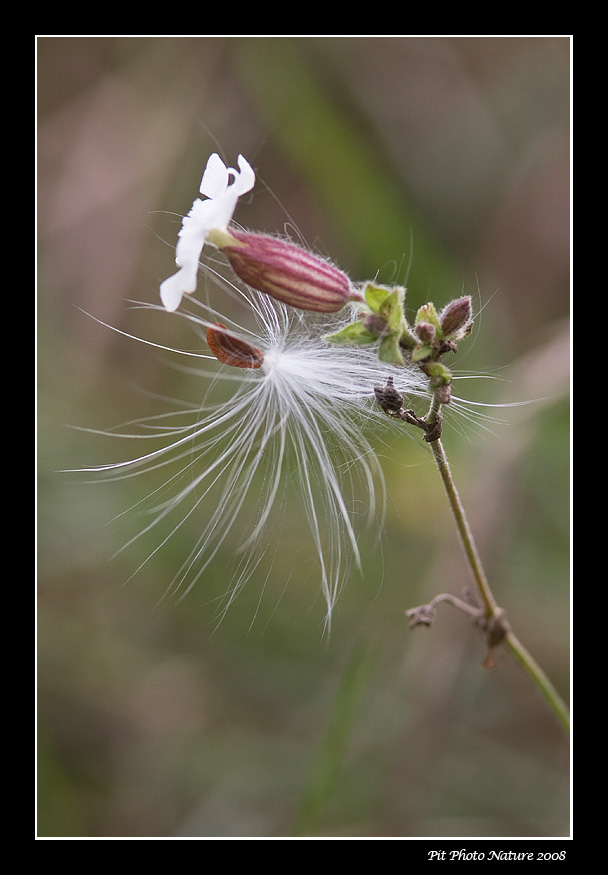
x=291 y=429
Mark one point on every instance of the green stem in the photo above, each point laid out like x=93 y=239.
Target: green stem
x=466 y=536
x=519 y=652
x=491 y=608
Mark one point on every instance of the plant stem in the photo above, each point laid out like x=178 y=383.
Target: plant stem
x=519 y=652
x=466 y=536
x=491 y=609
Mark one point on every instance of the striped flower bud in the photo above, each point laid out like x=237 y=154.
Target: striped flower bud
x=455 y=318
x=287 y=272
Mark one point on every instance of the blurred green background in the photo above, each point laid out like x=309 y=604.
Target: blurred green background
x=440 y=161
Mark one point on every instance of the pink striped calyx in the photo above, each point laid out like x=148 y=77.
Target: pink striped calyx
x=287 y=272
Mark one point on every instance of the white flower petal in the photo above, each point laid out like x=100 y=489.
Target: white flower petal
x=224 y=204
x=245 y=180
x=172 y=290
x=215 y=178
x=208 y=215
x=195 y=227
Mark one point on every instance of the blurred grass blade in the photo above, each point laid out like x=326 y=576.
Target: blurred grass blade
x=325 y=768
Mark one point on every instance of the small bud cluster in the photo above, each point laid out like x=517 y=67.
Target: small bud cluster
x=301 y=279
x=424 y=343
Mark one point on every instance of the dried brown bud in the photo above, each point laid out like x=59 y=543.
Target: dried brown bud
x=421 y=616
x=389 y=399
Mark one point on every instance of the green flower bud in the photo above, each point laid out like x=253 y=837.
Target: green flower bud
x=428 y=314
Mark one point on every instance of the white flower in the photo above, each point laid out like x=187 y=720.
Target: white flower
x=213 y=214
x=294 y=428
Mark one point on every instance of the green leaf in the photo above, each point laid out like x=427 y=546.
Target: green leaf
x=392 y=310
x=389 y=350
x=375 y=296
x=421 y=352
x=355 y=333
